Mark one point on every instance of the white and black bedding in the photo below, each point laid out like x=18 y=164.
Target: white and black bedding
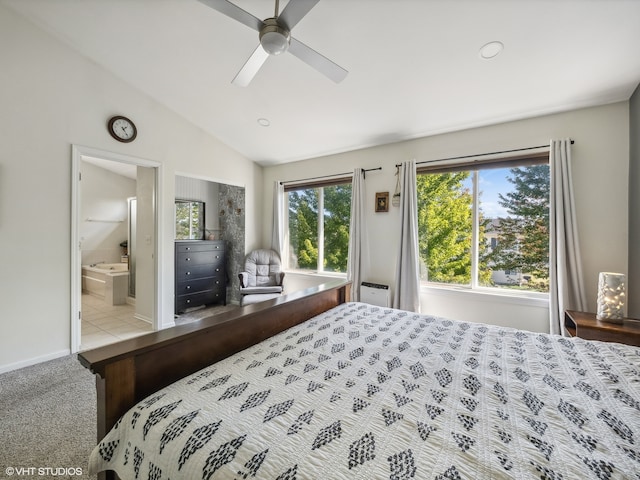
x=363 y=392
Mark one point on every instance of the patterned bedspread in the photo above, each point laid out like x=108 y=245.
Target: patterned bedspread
x=362 y=392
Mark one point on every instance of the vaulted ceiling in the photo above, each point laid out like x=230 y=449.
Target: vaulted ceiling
x=414 y=65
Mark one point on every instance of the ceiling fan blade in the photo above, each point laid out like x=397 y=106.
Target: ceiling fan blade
x=294 y=11
x=251 y=67
x=319 y=62
x=235 y=12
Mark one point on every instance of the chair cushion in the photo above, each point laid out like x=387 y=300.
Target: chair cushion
x=256 y=290
x=263 y=268
x=251 y=299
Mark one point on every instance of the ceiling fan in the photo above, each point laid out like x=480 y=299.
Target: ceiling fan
x=275 y=39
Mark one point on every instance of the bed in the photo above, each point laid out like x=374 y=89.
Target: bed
x=360 y=391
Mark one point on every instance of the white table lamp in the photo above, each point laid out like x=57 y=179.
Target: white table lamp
x=611 y=297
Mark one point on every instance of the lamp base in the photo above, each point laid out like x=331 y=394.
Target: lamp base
x=617 y=320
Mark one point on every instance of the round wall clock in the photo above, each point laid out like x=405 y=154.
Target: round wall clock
x=122 y=129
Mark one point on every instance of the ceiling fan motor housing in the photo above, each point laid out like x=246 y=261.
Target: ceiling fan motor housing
x=274 y=38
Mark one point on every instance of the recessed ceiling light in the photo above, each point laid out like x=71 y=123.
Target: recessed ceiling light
x=491 y=49
x=264 y=122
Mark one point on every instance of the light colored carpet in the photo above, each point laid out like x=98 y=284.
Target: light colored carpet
x=47 y=420
x=48 y=415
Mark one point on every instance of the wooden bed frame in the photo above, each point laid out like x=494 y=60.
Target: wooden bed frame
x=128 y=371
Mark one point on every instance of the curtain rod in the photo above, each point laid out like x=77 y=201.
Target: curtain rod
x=482 y=154
x=364 y=172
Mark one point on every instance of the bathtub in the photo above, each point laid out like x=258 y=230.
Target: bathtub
x=110 y=267
x=109 y=281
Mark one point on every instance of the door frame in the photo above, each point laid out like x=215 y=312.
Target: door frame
x=77 y=154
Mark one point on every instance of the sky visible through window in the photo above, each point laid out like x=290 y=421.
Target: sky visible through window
x=493 y=182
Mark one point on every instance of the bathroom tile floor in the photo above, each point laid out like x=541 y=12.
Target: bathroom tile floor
x=104 y=324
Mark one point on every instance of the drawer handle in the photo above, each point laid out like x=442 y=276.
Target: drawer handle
x=188 y=273
x=188 y=287
x=217 y=269
x=217 y=282
x=188 y=259
x=188 y=301
x=188 y=248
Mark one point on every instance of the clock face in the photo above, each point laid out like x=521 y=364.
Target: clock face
x=122 y=129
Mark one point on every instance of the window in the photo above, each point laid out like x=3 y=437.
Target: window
x=318 y=225
x=486 y=224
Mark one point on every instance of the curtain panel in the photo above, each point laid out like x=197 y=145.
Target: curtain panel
x=407 y=278
x=566 y=286
x=358 y=256
x=277 y=238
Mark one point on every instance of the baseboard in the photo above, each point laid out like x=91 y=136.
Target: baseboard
x=150 y=321
x=33 y=361
x=167 y=325
x=143 y=318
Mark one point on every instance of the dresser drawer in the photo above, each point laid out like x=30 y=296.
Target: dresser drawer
x=202 y=298
x=187 y=272
x=199 y=246
x=188 y=301
x=199 y=257
x=199 y=285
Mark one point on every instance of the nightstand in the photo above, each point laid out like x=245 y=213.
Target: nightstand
x=586 y=325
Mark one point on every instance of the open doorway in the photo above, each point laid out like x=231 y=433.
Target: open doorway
x=114 y=231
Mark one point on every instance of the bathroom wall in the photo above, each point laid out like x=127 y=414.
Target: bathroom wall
x=103 y=221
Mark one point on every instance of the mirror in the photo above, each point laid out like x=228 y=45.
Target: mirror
x=189 y=220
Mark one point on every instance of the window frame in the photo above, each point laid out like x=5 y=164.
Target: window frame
x=474 y=166
x=306 y=185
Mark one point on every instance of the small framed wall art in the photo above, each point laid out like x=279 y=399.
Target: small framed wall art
x=382 y=202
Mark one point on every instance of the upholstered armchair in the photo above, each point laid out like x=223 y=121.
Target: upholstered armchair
x=262 y=277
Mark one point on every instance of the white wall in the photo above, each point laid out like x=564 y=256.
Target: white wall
x=53 y=98
x=144 y=247
x=633 y=284
x=600 y=169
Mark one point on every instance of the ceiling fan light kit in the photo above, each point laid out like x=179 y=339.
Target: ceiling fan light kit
x=275 y=39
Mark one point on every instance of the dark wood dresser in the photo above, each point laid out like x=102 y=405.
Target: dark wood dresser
x=200 y=274
x=587 y=326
